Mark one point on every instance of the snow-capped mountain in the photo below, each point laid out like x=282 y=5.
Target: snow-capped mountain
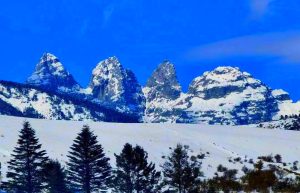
x=164 y=96
x=27 y=101
x=222 y=96
x=228 y=96
x=114 y=86
x=111 y=85
x=50 y=74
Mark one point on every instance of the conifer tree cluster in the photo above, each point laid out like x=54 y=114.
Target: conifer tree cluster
x=88 y=170
x=133 y=173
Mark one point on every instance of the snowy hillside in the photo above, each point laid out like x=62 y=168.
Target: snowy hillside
x=28 y=101
x=220 y=144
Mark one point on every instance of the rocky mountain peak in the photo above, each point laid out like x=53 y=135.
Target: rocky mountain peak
x=222 y=81
x=163 y=82
x=116 y=86
x=281 y=95
x=164 y=96
x=105 y=70
x=51 y=74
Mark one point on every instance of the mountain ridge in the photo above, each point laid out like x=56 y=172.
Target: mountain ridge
x=224 y=95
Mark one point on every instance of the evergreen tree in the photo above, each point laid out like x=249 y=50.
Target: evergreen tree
x=88 y=167
x=0 y=177
x=227 y=182
x=133 y=172
x=25 y=167
x=259 y=180
x=55 y=177
x=182 y=172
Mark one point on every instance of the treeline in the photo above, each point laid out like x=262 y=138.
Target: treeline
x=284 y=117
x=88 y=170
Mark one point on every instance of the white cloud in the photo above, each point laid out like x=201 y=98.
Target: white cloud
x=259 y=7
x=284 y=46
x=107 y=13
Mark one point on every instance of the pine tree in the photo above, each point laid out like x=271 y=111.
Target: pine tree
x=259 y=180
x=0 y=177
x=133 y=172
x=55 y=177
x=88 y=168
x=25 y=167
x=227 y=182
x=181 y=171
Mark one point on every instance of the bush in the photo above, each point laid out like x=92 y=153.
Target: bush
x=268 y=158
x=278 y=158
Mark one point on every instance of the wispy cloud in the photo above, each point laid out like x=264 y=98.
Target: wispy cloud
x=259 y=7
x=284 y=46
x=107 y=13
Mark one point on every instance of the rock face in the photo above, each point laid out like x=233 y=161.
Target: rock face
x=111 y=85
x=228 y=96
x=117 y=87
x=222 y=96
x=51 y=75
x=163 y=83
x=164 y=95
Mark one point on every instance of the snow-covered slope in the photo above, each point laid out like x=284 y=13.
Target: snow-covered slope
x=287 y=123
x=117 y=87
x=50 y=74
x=28 y=101
x=219 y=143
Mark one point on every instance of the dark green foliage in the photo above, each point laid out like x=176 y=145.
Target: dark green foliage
x=295 y=125
x=268 y=158
x=181 y=171
x=133 y=172
x=259 y=165
x=287 y=186
x=8 y=109
x=25 y=167
x=259 y=179
x=55 y=177
x=88 y=167
x=227 y=182
x=1 y=186
x=278 y=158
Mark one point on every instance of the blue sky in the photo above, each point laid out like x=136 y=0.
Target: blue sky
x=259 y=36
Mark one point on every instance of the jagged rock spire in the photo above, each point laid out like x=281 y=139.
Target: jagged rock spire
x=114 y=85
x=163 y=93
x=163 y=82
